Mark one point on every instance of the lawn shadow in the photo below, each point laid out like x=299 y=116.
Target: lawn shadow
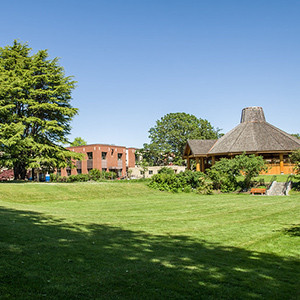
x=294 y=230
x=46 y=258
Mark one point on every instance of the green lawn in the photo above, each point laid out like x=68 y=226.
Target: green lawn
x=123 y=240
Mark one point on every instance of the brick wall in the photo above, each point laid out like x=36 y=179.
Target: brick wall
x=117 y=159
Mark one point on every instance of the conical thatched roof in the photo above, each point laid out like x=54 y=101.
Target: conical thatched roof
x=254 y=134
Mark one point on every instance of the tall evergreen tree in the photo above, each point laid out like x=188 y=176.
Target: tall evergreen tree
x=35 y=111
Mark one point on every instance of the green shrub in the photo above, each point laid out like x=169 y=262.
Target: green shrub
x=295 y=182
x=58 y=178
x=295 y=159
x=205 y=189
x=296 y=186
x=183 y=182
x=72 y=178
x=224 y=172
x=191 y=178
x=165 y=170
x=95 y=174
x=110 y=175
x=75 y=178
x=187 y=189
x=223 y=175
x=250 y=166
x=62 y=179
x=164 y=182
x=82 y=177
x=54 y=177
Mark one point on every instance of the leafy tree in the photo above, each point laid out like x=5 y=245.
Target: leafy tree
x=295 y=159
x=78 y=141
x=35 y=111
x=297 y=135
x=152 y=154
x=170 y=134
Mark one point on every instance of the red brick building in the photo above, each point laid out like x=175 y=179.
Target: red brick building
x=104 y=158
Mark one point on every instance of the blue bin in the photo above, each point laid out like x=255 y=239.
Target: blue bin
x=47 y=178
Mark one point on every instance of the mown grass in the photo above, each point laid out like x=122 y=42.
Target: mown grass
x=125 y=241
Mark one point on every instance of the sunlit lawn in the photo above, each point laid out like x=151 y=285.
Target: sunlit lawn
x=124 y=240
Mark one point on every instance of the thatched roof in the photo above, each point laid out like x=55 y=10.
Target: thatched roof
x=253 y=134
x=198 y=147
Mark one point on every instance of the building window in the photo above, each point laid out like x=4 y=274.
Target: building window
x=119 y=156
x=79 y=171
x=90 y=155
x=68 y=171
x=103 y=154
x=58 y=172
x=112 y=152
x=150 y=172
x=78 y=164
x=89 y=169
x=103 y=169
x=142 y=172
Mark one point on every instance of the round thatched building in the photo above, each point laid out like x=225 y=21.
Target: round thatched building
x=252 y=135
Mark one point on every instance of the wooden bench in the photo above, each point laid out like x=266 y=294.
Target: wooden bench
x=261 y=191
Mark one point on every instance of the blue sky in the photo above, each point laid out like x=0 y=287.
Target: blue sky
x=137 y=60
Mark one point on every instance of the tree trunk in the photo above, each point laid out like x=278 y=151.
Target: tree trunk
x=16 y=172
x=19 y=171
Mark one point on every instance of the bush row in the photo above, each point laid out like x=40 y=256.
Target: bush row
x=183 y=182
x=221 y=176
x=94 y=174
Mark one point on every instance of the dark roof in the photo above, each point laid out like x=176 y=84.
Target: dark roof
x=199 y=147
x=253 y=134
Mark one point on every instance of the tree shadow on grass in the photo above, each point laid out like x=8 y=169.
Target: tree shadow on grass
x=294 y=230
x=45 y=258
